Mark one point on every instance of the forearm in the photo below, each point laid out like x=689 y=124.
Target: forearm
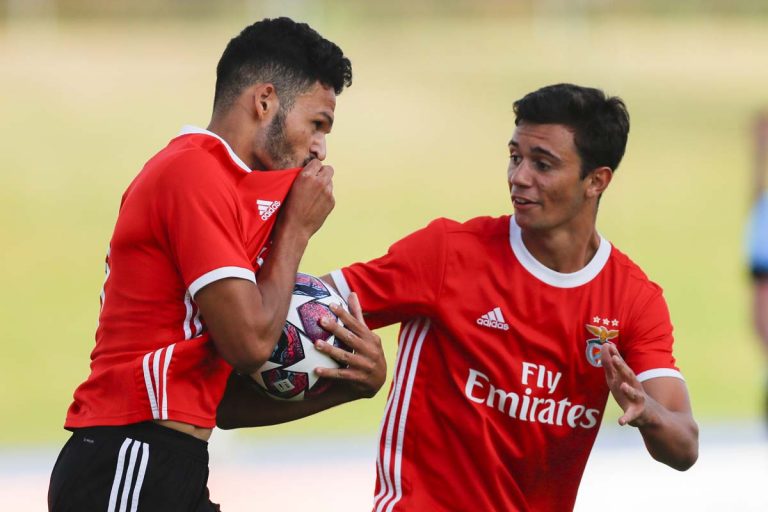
x=246 y=320
x=670 y=437
x=276 y=280
x=244 y=405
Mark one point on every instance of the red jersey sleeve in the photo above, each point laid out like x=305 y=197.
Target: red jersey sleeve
x=199 y=216
x=647 y=344
x=402 y=284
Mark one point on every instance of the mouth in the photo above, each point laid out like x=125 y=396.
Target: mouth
x=522 y=202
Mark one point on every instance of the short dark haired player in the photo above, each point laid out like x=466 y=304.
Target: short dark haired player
x=516 y=329
x=200 y=271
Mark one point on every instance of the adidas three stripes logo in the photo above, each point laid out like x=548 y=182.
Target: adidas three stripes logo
x=129 y=476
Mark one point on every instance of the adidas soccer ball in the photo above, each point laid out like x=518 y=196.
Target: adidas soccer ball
x=289 y=373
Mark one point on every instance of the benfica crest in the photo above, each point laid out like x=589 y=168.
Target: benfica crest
x=594 y=344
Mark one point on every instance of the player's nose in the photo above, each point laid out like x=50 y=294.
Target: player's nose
x=319 y=148
x=520 y=175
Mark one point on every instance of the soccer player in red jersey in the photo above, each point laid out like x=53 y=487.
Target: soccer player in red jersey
x=515 y=330
x=199 y=275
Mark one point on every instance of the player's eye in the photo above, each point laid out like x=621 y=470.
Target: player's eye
x=541 y=165
x=515 y=158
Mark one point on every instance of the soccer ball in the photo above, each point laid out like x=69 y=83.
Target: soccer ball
x=289 y=373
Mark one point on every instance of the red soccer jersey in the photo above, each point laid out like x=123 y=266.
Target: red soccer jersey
x=194 y=214
x=497 y=393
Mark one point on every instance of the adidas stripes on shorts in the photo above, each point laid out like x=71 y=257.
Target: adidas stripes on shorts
x=141 y=467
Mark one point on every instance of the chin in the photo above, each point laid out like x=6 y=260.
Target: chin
x=526 y=223
x=522 y=220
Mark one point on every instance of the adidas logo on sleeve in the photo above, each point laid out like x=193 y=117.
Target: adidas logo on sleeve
x=267 y=208
x=494 y=319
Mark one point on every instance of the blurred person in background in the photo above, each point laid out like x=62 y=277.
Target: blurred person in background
x=758 y=238
x=181 y=307
x=515 y=330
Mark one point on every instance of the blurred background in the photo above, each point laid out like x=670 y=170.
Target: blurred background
x=90 y=89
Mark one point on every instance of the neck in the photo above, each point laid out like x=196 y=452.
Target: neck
x=563 y=250
x=238 y=139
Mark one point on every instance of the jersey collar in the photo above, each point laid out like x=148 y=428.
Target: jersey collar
x=549 y=276
x=187 y=129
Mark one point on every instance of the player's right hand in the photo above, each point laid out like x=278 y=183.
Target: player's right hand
x=310 y=200
x=365 y=368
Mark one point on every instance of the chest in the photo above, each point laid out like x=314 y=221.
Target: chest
x=507 y=324
x=260 y=197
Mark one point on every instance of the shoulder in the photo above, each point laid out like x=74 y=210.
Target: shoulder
x=478 y=227
x=192 y=157
x=635 y=279
x=189 y=164
x=452 y=231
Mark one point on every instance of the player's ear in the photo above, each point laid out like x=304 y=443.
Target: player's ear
x=598 y=180
x=263 y=101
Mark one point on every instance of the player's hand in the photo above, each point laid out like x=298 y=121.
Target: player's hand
x=625 y=388
x=310 y=200
x=365 y=369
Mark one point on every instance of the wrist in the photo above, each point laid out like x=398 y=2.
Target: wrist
x=291 y=237
x=650 y=418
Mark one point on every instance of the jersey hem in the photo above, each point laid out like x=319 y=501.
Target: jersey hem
x=659 y=372
x=109 y=421
x=218 y=274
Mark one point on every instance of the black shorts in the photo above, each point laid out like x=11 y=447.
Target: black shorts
x=141 y=467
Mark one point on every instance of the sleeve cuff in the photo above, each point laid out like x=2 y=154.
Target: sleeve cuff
x=659 y=372
x=221 y=273
x=341 y=283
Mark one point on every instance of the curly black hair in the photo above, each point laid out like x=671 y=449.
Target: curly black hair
x=600 y=122
x=291 y=56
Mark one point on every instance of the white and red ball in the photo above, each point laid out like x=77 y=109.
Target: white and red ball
x=289 y=373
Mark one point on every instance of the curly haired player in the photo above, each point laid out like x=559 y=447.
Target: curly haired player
x=207 y=216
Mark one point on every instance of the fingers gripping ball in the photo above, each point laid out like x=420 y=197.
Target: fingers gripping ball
x=289 y=373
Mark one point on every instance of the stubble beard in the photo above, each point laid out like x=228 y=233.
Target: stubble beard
x=280 y=151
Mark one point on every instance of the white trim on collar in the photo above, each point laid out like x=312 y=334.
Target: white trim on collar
x=188 y=128
x=549 y=276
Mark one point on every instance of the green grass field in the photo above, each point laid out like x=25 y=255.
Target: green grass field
x=422 y=133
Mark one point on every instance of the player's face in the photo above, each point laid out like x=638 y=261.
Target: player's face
x=544 y=176
x=298 y=136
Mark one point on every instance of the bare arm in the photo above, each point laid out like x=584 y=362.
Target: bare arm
x=245 y=320
x=659 y=408
x=245 y=405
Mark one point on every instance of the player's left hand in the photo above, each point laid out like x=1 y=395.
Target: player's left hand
x=365 y=369
x=625 y=388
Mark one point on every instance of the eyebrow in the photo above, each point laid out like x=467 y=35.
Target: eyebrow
x=537 y=150
x=328 y=118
